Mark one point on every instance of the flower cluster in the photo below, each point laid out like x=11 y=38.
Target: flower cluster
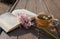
x=25 y=20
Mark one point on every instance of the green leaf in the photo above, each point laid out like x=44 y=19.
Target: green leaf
x=46 y=31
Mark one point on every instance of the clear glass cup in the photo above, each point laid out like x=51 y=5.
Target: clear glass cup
x=43 y=19
x=48 y=21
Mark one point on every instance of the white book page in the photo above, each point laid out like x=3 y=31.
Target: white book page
x=28 y=13
x=9 y=21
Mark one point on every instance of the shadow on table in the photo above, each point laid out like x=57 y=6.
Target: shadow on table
x=22 y=31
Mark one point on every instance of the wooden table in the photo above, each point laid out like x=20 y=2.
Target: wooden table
x=36 y=6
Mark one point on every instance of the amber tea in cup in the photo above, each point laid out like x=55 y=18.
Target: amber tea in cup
x=44 y=20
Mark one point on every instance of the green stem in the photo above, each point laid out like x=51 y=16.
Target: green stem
x=43 y=29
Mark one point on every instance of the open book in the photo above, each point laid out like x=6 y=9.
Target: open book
x=9 y=21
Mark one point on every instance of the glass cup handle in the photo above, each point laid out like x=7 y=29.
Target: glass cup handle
x=54 y=22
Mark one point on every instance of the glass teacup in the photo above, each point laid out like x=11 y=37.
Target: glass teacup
x=45 y=20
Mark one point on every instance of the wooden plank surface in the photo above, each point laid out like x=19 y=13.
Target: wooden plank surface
x=21 y=4
x=41 y=7
x=4 y=7
x=11 y=35
x=53 y=8
x=31 y=5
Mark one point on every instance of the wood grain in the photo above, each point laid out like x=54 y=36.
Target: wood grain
x=41 y=7
x=21 y=4
x=11 y=35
